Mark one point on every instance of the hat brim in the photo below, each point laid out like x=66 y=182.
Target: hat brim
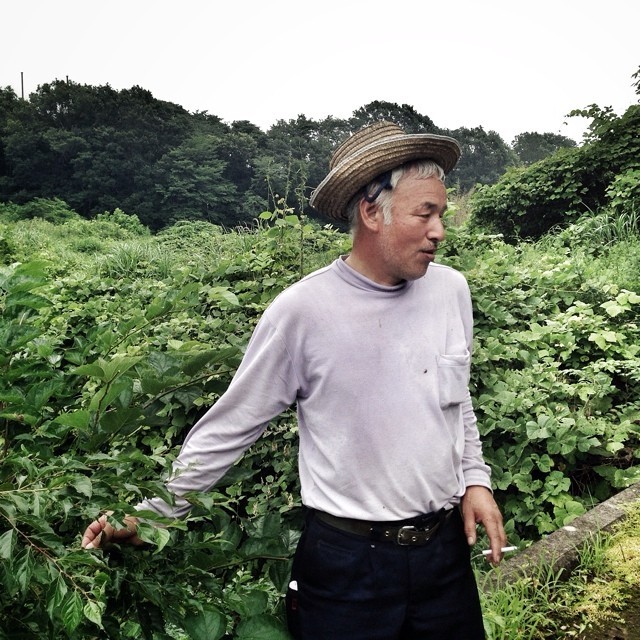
x=357 y=170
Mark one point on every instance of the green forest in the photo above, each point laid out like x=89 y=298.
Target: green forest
x=139 y=245
x=96 y=149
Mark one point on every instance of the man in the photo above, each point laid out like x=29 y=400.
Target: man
x=375 y=351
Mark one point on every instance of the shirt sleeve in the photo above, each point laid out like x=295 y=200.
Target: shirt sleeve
x=263 y=387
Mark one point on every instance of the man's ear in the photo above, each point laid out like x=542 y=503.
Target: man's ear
x=370 y=215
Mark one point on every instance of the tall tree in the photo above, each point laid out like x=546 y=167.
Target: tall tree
x=531 y=146
x=190 y=184
x=290 y=160
x=88 y=145
x=404 y=115
x=9 y=105
x=485 y=157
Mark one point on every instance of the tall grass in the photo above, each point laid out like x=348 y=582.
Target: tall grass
x=526 y=609
x=549 y=606
x=606 y=227
x=604 y=247
x=136 y=258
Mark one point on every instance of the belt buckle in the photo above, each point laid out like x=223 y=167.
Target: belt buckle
x=404 y=539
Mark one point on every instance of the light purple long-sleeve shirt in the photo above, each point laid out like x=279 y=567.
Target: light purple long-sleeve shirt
x=380 y=376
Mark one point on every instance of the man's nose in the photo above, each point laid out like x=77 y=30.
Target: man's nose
x=436 y=231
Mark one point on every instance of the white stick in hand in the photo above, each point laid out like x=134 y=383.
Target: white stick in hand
x=487 y=552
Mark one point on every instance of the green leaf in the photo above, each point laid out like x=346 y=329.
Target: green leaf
x=119 y=364
x=83 y=485
x=91 y=371
x=163 y=364
x=55 y=596
x=213 y=356
x=93 y=612
x=7 y=542
x=248 y=603
x=280 y=574
x=72 y=611
x=40 y=394
x=158 y=307
x=25 y=299
x=153 y=385
x=261 y=627
x=27 y=276
x=121 y=419
x=75 y=419
x=219 y=294
x=15 y=336
x=154 y=535
x=603 y=338
x=208 y=624
x=23 y=570
x=613 y=308
x=105 y=397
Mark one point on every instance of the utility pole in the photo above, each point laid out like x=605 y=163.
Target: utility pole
x=22 y=83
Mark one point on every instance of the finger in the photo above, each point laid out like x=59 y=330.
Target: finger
x=88 y=537
x=497 y=540
x=95 y=543
x=92 y=535
x=495 y=557
x=469 y=526
x=99 y=534
x=129 y=534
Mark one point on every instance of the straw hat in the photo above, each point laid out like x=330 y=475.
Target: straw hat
x=373 y=150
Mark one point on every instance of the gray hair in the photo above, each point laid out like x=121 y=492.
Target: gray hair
x=422 y=168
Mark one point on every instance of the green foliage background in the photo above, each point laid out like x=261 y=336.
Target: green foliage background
x=529 y=201
x=113 y=341
x=96 y=149
x=106 y=358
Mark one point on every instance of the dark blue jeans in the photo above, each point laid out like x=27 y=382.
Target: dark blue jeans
x=351 y=588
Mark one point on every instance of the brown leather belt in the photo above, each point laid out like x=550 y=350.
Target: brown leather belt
x=412 y=532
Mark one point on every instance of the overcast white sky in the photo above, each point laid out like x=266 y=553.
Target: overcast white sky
x=506 y=65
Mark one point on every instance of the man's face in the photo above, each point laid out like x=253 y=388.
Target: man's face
x=408 y=244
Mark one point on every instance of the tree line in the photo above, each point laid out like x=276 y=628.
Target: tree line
x=98 y=149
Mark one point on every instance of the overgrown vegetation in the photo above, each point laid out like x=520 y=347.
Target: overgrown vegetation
x=527 y=202
x=114 y=340
x=555 y=375
x=108 y=355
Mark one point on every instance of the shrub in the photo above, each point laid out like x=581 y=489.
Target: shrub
x=127 y=221
x=624 y=196
x=52 y=210
x=6 y=248
x=528 y=202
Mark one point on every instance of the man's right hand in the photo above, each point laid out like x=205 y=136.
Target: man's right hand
x=100 y=533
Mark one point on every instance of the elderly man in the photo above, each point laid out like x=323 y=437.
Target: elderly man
x=375 y=351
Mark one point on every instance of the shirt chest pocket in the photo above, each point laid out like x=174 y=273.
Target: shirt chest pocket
x=453 y=378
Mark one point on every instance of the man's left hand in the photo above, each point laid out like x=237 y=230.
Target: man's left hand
x=479 y=507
